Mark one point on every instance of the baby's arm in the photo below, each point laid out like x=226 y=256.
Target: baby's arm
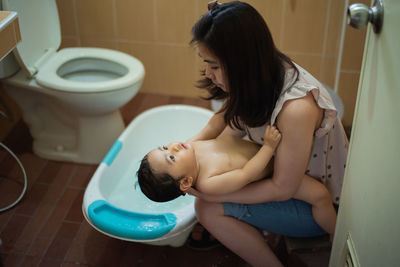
x=214 y=127
x=253 y=170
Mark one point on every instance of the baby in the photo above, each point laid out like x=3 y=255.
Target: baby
x=215 y=166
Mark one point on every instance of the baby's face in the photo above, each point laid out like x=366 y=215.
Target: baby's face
x=176 y=159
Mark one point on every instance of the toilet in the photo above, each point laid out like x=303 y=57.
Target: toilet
x=70 y=98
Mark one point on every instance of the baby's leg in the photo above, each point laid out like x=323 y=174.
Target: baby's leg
x=316 y=194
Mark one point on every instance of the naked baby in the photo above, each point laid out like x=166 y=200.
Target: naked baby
x=215 y=166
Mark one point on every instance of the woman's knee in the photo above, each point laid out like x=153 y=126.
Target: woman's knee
x=323 y=197
x=313 y=192
x=207 y=210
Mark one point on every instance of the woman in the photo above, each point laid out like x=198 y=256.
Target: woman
x=261 y=86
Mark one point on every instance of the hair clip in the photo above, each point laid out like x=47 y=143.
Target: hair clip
x=213 y=5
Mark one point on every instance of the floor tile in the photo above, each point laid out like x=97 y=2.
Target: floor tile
x=12 y=231
x=82 y=175
x=62 y=241
x=75 y=212
x=32 y=199
x=49 y=172
x=12 y=260
x=29 y=261
x=39 y=247
x=59 y=212
x=88 y=245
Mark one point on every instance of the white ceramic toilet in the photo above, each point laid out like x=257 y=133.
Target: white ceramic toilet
x=70 y=98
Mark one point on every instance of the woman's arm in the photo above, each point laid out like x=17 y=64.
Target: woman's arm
x=233 y=131
x=297 y=122
x=214 y=127
x=253 y=170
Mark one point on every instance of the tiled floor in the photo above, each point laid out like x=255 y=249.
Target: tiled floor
x=47 y=227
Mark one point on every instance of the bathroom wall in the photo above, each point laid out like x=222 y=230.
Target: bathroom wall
x=158 y=32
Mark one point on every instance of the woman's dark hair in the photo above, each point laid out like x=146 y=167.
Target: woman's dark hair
x=238 y=36
x=157 y=187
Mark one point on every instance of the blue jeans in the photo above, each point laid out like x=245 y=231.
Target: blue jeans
x=290 y=218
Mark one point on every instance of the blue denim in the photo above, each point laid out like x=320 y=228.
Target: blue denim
x=290 y=218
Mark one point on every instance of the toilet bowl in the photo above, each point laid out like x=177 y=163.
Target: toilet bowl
x=70 y=98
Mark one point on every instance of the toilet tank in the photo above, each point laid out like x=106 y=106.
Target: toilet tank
x=40 y=31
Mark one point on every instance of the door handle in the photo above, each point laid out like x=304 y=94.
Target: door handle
x=358 y=15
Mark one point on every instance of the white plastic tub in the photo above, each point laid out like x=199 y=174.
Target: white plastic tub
x=113 y=203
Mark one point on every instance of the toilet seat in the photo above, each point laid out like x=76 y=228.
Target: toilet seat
x=48 y=75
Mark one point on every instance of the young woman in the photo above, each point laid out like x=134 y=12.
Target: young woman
x=261 y=86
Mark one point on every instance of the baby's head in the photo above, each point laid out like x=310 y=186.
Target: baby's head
x=158 y=187
x=166 y=172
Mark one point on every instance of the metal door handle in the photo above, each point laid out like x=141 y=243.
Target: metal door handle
x=358 y=15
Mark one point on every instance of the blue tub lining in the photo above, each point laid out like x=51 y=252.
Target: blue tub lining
x=129 y=224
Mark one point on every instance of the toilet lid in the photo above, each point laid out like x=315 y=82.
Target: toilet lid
x=40 y=31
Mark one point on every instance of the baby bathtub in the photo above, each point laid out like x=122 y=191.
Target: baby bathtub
x=113 y=202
